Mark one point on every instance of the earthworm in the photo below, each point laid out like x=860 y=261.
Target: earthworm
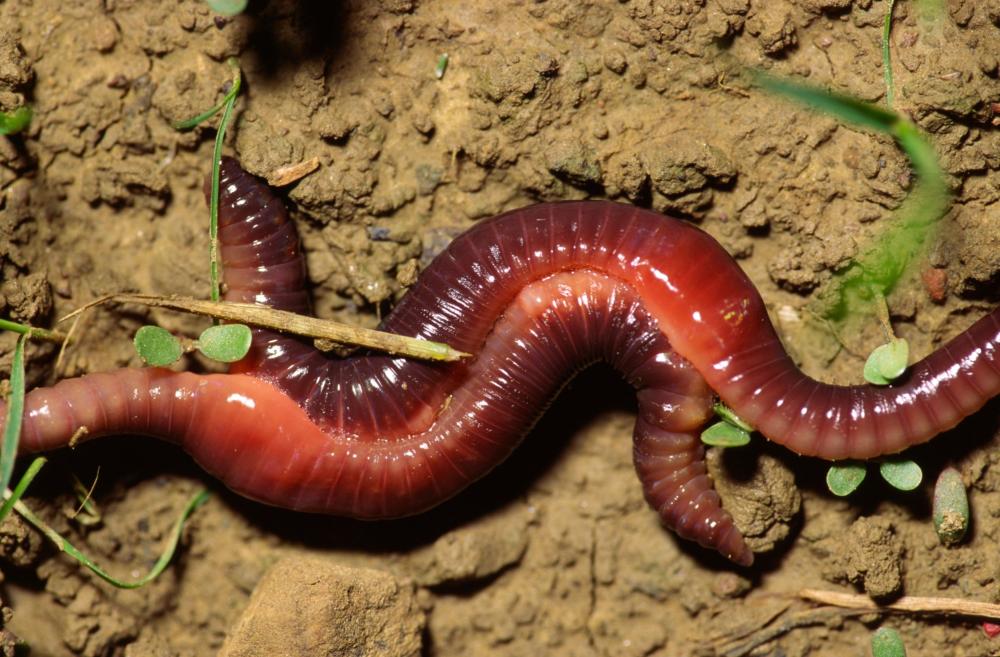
x=534 y=294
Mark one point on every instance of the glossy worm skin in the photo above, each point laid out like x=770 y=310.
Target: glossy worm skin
x=535 y=294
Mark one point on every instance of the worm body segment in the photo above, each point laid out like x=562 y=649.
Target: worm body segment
x=535 y=294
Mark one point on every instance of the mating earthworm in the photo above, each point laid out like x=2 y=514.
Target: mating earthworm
x=534 y=294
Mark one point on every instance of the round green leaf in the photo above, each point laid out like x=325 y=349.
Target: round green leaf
x=723 y=434
x=886 y=642
x=902 y=474
x=226 y=343
x=844 y=479
x=157 y=346
x=887 y=362
x=227 y=7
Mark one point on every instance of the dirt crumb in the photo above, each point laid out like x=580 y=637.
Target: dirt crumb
x=26 y=299
x=873 y=557
x=20 y=545
x=760 y=494
x=312 y=606
x=773 y=26
x=475 y=552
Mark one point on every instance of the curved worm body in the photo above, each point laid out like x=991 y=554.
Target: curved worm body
x=535 y=294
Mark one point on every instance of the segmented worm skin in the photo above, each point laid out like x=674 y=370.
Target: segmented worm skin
x=535 y=294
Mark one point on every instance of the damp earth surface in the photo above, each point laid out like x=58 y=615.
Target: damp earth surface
x=554 y=553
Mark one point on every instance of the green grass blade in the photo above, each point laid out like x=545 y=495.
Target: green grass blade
x=22 y=485
x=15 y=414
x=886 y=60
x=213 y=226
x=880 y=266
x=160 y=565
x=220 y=135
x=843 y=107
x=187 y=124
x=15 y=121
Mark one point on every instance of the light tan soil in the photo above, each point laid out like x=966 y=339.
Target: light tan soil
x=642 y=101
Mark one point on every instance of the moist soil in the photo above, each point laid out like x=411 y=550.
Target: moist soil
x=555 y=552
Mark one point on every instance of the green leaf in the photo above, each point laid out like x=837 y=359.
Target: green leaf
x=730 y=416
x=160 y=565
x=844 y=479
x=22 y=485
x=887 y=362
x=951 y=507
x=15 y=413
x=227 y=99
x=841 y=106
x=724 y=434
x=886 y=642
x=902 y=474
x=157 y=346
x=15 y=121
x=226 y=343
x=880 y=265
x=227 y=7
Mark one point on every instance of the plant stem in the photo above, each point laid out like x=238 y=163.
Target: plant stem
x=287 y=322
x=41 y=334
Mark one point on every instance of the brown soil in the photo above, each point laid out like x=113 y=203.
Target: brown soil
x=556 y=552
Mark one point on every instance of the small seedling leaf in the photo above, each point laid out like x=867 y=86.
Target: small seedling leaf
x=902 y=474
x=724 y=434
x=886 y=642
x=157 y=346
x=844 y=479
x=15 y=121
x=951 y=507
x=887 y=362
x=227 y=7
x=730 y=416
x=226 y=343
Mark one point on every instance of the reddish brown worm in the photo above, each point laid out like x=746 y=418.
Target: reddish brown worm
x=535 y=294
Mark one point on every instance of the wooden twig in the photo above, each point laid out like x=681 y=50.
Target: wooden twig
x=287 y=322
x=741 y=643
x=907 y=604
